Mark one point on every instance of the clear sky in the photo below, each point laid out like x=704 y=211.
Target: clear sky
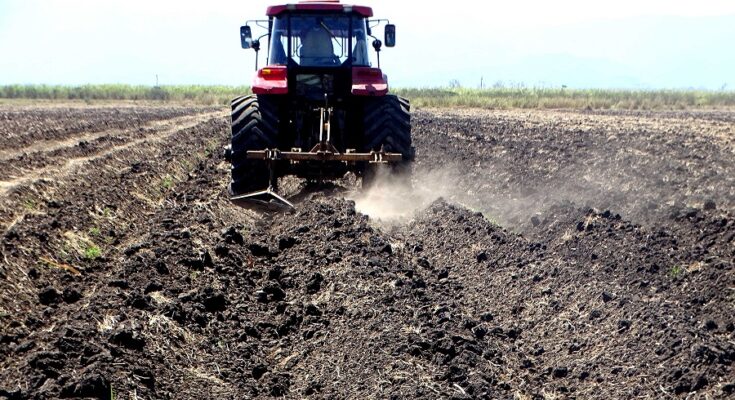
x=578 y=43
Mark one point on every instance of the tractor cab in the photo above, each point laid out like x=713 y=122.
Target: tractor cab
x=304 y=40
x=317 y=48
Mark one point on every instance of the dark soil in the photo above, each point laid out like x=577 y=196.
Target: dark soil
x=644 y=165
x=133 y=276
x=21 y=126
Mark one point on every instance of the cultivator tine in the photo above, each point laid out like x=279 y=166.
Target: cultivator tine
x=264 y=200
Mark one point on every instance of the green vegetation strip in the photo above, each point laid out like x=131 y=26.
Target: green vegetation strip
x=192 y=93
x=507 y=98
x=493 y=98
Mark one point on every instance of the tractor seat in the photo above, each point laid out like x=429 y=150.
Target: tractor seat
x=317 y=50
x=360 y=52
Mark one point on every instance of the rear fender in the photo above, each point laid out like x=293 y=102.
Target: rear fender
x=368 y=81
x=272 y=79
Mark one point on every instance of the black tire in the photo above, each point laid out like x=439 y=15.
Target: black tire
x=254 y=127
x=238 y=100
x=387 y=125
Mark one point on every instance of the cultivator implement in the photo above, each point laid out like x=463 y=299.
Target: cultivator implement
x=325 y=152
x=322 y=153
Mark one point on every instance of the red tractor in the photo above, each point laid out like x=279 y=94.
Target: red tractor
x=319 y=109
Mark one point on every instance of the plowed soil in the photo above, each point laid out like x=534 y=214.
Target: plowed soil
x=538 y=255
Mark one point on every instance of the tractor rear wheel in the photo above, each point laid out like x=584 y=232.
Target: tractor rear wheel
x=254 y=127
x=387 y=125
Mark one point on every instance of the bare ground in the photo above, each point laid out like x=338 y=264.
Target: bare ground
x=540 y=254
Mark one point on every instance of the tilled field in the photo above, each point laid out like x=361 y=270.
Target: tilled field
x=539 y=255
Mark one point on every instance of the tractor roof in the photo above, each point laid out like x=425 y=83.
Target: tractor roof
x=319 y=5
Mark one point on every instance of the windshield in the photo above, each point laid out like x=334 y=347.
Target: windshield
x=319 y=40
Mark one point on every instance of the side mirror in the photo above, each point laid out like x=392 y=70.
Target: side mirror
x=390 y=35
x=246 y=37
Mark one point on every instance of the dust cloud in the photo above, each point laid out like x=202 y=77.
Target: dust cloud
x=503 y=196
x=491 y=191
x=396 y=198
